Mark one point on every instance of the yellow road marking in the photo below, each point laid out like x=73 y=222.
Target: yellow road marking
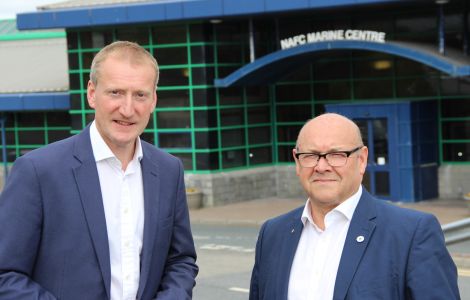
x=464 y=272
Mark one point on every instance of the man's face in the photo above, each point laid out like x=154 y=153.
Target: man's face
x=325 y=185
x=123 y=99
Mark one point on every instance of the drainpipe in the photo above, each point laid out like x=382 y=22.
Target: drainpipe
x=466 y=50
x=252 y=41
x=441 y=20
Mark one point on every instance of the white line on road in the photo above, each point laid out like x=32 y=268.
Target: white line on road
x=464 y=272
x=226 y=247
x=237 y=289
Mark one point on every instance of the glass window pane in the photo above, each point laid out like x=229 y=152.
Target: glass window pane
x=406 y=67
x=139 y=35
x=233 y=138
x=370 y=89
x=334 y=90
x=186 y=159
x=207 y=140
x=261 y=155
x=207 y=161
x=457 y=152
x=173 y=119
x=205 y=118
x=379 y=67
x=259 y=135
x=96 y=39
x=169 y=34
x=288 y=133
x=454 y=86
x=257 y=94
x=34 y=137
x=233 y=158
x=202 y=54
x=230 y=96
x=298 y=92
x=171 y=56
x=455 y=108
x=173 y=98
x=57 y=135
x=331 y=70
x=259 y=115
x=293 y=113
x=380 y=130
x=456 y=130
x=174 y=140
x=285 y=153
x=204 y=97
x=417 y=87
x=382 y=184
x=232 y=117
x=173 y=77
x=202 y=76
x=149 y=137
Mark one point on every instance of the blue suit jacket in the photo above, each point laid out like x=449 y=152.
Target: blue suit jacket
x=53 y=241
x=403 y=256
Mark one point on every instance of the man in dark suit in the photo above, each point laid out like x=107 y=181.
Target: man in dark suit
x=345 y=244
x=102 y=214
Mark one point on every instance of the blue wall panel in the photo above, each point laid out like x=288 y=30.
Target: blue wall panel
x=241 y=7
x=281 y=5
x=202 y=9
x=34 y=102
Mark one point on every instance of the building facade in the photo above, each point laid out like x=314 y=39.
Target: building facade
x=239 y=80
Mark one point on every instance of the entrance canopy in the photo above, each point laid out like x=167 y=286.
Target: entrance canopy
x=275 y=65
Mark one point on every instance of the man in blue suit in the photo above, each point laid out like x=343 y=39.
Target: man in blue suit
x=102 y=214
x=345 y=244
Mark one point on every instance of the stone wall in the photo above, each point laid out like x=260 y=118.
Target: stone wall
x=235 y=186
x=454 y=181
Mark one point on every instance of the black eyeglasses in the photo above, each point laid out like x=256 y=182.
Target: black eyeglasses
x=334 y=159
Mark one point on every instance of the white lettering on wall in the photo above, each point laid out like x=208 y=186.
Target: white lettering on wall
x=333 y=35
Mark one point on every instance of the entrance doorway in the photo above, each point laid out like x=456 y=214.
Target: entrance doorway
x=403 y=147
x=375 y=137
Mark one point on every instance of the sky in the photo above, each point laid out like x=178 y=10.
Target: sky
x=9 y=8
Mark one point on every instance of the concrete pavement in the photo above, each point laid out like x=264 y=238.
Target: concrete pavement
x=255 y=212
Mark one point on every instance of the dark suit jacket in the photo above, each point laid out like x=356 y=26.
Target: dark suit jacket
x=53 y=241
x=403 y=256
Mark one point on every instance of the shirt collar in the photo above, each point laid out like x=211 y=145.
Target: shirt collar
x=101 y=150
x=346 y=208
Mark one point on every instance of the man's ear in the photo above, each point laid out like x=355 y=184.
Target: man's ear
x=297 y=164
x=363 y=159
x=90 y=93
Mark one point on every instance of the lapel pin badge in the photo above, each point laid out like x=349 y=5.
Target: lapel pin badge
x=292 y=231
x=360 y=239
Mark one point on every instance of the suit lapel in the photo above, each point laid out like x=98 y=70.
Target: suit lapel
x=292 y=236
x=359 y=234
x=86 y=177
x=151 y=192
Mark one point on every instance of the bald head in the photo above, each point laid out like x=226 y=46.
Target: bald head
x=330 y=124
x=329 y=183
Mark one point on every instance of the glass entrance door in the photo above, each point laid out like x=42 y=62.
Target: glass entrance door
x=375 y=137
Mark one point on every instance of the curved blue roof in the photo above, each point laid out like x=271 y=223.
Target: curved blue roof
x=274 y=65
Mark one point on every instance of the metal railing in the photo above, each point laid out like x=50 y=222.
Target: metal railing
x=457 y=231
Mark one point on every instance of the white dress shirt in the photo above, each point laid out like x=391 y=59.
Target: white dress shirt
x=123 y=201
x=316 y=260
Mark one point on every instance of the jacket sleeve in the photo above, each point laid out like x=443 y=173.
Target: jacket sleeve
x=20 y=223
x=431 y=272
x=180 y=269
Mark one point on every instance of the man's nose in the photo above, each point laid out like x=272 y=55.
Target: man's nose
x=127 y=107
x=322 y=164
